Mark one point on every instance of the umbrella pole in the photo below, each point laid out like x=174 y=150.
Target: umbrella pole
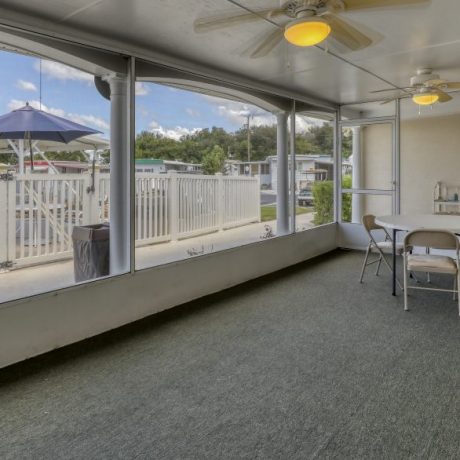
x=31 y=153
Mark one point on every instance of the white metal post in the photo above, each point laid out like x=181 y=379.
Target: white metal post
x=397 y=159
x=282 y=195
x=293 y=168
x=357 y=199
x=220 y=201
x=338 y=166
x=119 y=176
x=3 y=223
x=173 y=205
x=131 y=109
x=7 y=220
x=11 y=228
x=257 y=201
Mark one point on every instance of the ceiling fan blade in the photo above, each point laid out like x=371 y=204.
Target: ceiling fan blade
x=451 y=85
x=204 y=25
x=389 y=90
x=351 y=5
x=346 y=34
x=267 y=44
x=443 y=97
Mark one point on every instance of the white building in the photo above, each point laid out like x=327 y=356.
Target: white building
x=154 y=165
x=309 y=168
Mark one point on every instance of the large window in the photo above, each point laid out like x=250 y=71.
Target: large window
x=314 y=171
x=49 y=188
x=206 y=174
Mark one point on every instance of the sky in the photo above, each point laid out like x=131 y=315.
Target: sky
x=70 y=93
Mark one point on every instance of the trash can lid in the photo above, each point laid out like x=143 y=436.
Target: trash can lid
x=91 y=232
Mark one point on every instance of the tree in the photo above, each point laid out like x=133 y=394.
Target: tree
x=213 y=160
x=154 y=145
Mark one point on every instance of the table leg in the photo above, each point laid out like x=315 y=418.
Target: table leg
x=394 y=261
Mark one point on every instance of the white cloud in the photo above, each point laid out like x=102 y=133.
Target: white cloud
x=237 y=112
x=89 y=120
x=141 y=89
x=192 y=112
x=173 y=133
x=26 y=85
x=83 y=119
x=63 y=72
x=304 y=123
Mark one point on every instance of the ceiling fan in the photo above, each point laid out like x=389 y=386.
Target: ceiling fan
x=306 y=23
x=426 y=88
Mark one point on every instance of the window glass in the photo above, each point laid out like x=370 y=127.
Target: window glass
x=206 y=174
x=50 y=191
x=314 y=177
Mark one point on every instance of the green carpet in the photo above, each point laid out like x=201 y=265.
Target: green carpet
x=306 y=363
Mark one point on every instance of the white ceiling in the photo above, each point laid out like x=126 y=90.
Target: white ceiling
x=418 y=36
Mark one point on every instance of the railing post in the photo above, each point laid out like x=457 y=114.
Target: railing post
x=7 y=220
x=91 y=207
x=257 y=201
x=173 y=205
x=220 y=201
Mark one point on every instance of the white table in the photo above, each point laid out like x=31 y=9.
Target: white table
x=411 y=222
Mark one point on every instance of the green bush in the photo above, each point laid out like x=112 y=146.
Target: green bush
x=323 y=201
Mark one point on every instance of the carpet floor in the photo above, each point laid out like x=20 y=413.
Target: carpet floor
x=303 y=364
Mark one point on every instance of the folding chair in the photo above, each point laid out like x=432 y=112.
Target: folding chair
x=379 y=247
x=430 y=263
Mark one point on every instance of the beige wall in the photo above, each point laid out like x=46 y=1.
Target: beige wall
x=430 y=152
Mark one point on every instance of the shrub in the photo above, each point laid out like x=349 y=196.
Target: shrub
x=323 y=201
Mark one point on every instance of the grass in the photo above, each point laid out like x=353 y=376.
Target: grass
x=269 y=212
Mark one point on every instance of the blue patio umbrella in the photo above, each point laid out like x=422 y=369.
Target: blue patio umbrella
x=31 y=124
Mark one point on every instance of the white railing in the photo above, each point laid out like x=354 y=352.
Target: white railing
x=39 y=211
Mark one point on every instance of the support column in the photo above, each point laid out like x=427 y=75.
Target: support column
x=293 y=184
x=357 y=199
x=282 y=187
x=119 y=176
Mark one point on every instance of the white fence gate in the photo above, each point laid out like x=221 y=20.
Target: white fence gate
x=39 y=211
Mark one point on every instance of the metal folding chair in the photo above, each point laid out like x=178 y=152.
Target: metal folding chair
x=430 y=263
x=379 y=247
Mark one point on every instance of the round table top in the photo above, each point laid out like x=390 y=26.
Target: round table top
x=411 y=222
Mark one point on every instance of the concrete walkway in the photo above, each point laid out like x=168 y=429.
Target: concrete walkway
x=25 y=282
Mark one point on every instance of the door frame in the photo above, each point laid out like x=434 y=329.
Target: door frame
x=394 y=192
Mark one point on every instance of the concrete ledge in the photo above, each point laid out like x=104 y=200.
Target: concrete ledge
x=33 y=326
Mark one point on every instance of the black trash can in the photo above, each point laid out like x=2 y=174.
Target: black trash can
x=91 y=251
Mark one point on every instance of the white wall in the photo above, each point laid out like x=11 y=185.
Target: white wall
x=430 y=152
x=36 y=325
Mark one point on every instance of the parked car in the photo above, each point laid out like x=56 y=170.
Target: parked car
x=305 y=197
